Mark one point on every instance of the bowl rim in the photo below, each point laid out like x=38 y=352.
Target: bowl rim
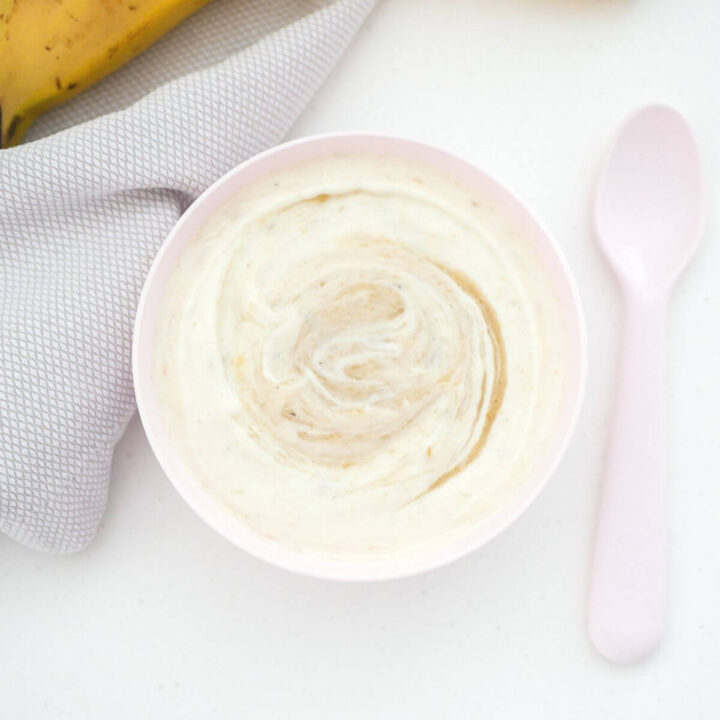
x=221 y=518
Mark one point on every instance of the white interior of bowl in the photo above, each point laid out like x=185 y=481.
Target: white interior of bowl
x=279 y=158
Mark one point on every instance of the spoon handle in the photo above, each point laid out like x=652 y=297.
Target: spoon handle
x=627 y=595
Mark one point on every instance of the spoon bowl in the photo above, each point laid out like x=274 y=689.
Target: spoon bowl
x=648 y=206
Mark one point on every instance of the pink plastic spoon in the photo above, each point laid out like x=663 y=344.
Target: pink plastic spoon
x=648 y=218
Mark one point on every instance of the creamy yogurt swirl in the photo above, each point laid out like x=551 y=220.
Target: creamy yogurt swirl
x=359 y=357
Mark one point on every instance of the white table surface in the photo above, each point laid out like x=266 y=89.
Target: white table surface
x=162 y=618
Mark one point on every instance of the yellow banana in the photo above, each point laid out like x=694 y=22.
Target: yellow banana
x=51 y=50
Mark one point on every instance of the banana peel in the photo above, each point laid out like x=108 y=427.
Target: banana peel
x=51 y=50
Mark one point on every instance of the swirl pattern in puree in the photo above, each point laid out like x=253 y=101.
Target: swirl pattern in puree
x=358 y=357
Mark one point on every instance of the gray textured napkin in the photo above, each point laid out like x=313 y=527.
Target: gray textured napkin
x=83 y=212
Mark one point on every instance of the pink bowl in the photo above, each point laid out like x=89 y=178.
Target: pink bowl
x=279 y=158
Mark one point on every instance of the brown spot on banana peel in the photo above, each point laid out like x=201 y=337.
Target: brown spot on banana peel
x=139 y=30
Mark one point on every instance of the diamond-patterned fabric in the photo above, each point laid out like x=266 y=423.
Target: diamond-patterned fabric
x=83 y=212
